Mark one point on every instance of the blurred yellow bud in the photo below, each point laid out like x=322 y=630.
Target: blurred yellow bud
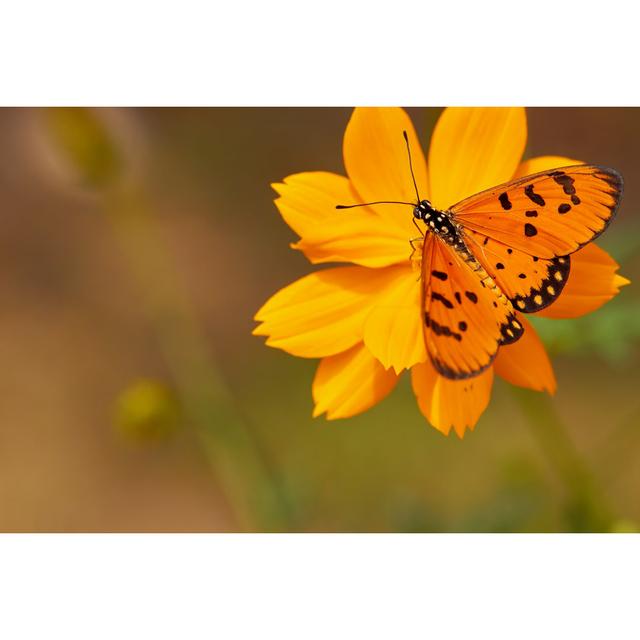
x=147 y=411
x=624 y=526
x=82 y=137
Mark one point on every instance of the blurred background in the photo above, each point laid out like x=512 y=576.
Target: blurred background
x=136 y=246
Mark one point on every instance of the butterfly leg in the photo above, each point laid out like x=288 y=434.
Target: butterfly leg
x=416 y=248
x=413 y=242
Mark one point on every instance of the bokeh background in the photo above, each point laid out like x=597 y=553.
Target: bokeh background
x=135 y=248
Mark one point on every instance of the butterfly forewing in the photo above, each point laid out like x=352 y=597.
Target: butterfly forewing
x=466 y=316
x=546 y=215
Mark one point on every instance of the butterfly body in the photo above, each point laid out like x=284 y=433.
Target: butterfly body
x=440 y=223
x=454 y=284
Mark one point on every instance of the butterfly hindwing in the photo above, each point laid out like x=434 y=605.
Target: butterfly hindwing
x=466 y=316
x=531 y=283
x=546 y=215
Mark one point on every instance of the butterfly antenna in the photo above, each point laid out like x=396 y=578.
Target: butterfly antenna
x=413 y=177
x=406 y=139
x=366 y=204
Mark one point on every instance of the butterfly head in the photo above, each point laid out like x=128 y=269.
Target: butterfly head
x=423 y=211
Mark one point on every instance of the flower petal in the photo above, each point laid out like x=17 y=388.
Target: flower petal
x=308 y=202
x=525 y=363
x=309 y=198
x=356 y=236
x=451 y=403
x=473 y=149
x=349 y=383
x=375 y=156
x=323 y=313
x=543 y=163
x=393 y=329
x=592 y=282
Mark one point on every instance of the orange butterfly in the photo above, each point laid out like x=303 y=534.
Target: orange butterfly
x=503 y=250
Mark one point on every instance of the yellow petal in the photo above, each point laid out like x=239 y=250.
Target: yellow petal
x=308 y=202
x=592 y=282
x=525 y=363
x=473 y=149
x=543 y=163
x=451 y=403
x=375 y=156
x=323 y=313
x=349 y=383
x=393 y=329
x=309 y=198
x=356 y=236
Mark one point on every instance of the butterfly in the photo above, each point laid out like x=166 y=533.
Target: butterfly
x=504 y=250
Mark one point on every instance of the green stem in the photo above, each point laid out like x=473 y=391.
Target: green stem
x=229 y=444
x=587 y=507
x=617 y=451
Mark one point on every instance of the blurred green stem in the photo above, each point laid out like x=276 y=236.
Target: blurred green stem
x=618 y=450
x=587 y=508
x=229 y=444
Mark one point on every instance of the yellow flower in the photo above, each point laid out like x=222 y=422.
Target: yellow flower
x=364 y=320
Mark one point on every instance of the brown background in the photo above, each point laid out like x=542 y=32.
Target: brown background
x=73 y=335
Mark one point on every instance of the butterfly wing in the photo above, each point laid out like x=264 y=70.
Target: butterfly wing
x=545 y=215
x=519 y=237
x=466 y=316
x=531 y=283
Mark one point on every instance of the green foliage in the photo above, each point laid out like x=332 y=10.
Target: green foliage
x=611 y=332
x=517 y=504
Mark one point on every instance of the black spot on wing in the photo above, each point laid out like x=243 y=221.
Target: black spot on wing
x=441 y=275
x=565 y=181
x=564 y=208
x=534 y=197
x=440 y=298
x=504 y=201
x=441 y=329
x=530 y=230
